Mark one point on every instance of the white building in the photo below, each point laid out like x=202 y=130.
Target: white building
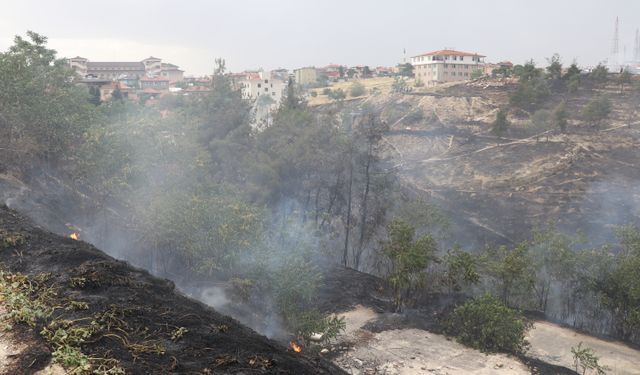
x=265 y=89
x=446 y=66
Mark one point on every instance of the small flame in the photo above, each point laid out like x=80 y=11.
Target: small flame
x=74 y=236
x=295 y=346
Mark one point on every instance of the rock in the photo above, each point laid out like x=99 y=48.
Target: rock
x=324 y=351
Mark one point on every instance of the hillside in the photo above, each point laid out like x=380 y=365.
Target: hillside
x=497 y=190
x=120 y=316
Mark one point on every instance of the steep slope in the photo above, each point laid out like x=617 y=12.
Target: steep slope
x=131 y=318
x=496 y=190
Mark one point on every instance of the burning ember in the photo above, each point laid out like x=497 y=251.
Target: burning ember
x=295 y=346
x=74 y=236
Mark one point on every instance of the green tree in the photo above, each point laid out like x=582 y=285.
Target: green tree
x=554 y=69
x=461 y=269
x=477 y=73
x=399 y=84
x=560 y=117
x=116 y=94
x=597 y=110
x=94 y=95
x=600 y=75
x=500 y=124
x=530 y=94
x=488 y=325
x=405 y=70
x=625 y=78
x=45 y=113
x=409 y=259
x=584 y=359
x=511 y=271
x=357 y=89
x=366 y=72
x=337 y=94
x=572 y=78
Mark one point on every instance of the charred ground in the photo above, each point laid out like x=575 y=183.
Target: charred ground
x=139 y=315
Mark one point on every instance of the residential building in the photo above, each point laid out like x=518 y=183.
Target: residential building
x=155 y=83
x=306 y=76
x=265 y=89
x=151 y=66
x=446 y=65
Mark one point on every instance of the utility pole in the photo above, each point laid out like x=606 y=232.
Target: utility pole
x=614 y=63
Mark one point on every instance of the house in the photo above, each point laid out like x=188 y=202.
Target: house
x=255 y=85
x=446 y=65
x=333 y=72
x=306 y=76
x=265 y=89
x=151 y=66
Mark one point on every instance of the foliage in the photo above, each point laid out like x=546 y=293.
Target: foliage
x=405 y=70
x=488 y=325
x=531 y=94
x=597 y=110
x=357 y=89
x=511 y=271
x=554 y=69
x=560 y=117
x=11 y=240
x=625 y=78
x=584 y=358
x=409 y=259
x=477 y=73
x=600 y=74
x=207 y=233
x=399 y=84
x=500 y=124
x=461 y=269
x=313 y=322
x=337 y=94
x=44 y=111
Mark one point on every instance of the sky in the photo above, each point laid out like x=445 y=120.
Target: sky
x=269 y=34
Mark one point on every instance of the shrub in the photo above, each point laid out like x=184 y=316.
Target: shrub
x=357 y=89
x=488 y=325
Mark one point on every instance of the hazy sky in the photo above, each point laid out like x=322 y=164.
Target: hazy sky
x=292 y=33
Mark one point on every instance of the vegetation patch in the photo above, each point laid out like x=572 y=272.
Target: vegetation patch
x=488 y=325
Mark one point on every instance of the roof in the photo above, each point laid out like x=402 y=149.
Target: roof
x=151 y=58
x=449 y=52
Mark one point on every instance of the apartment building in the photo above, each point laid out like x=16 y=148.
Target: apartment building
x=446 y=65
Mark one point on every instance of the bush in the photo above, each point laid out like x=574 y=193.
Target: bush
x=357 y=89
x=338 y=94
x=488 y=325
x=313 y=94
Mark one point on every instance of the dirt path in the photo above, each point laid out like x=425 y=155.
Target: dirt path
x=552 y=343
x=414 y=351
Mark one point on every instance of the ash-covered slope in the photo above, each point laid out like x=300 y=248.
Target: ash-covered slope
x=143 y=323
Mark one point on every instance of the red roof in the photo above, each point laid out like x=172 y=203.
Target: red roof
x=449 y=52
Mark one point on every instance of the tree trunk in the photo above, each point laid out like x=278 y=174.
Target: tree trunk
x=348 y=226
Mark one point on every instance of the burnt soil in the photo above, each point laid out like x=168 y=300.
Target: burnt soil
x=146 y=311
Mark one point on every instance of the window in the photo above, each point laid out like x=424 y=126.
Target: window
x=266 y=89
x=273 y=93
x=259 y=85
x=266 y=81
